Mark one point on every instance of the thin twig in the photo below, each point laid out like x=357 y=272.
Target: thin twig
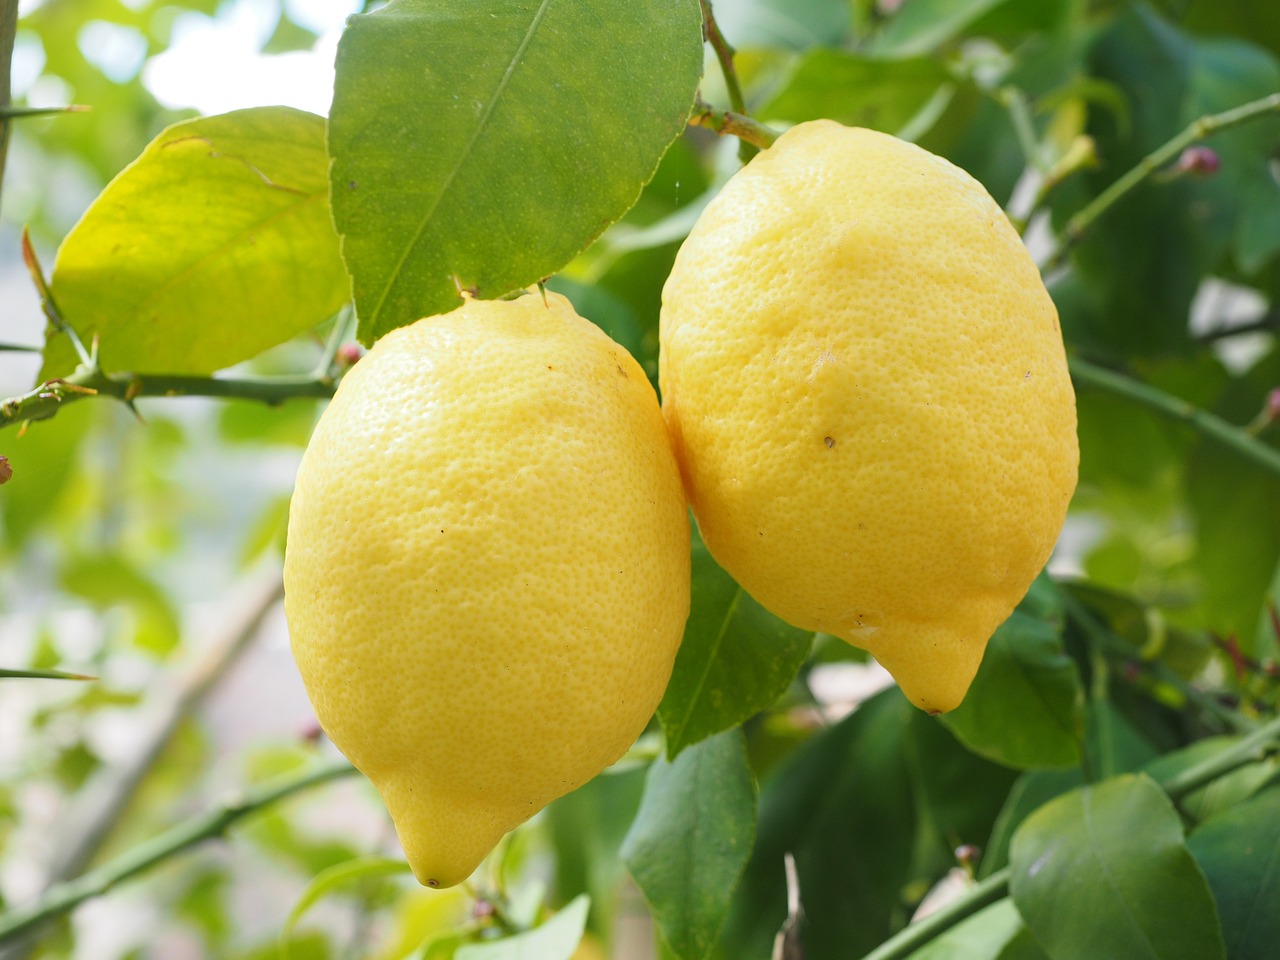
x=214 y=823
x=107 y=797
x=728 y=122
x=1236 y=438
x=50 y=397
x=1105 y=641
x=1255 y=747
x=724 y=56
x=8 y=33
x=1079 y=224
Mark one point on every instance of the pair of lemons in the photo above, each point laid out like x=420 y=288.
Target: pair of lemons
x=865 y=401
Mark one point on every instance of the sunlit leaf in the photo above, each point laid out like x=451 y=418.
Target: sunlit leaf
x=213 y=245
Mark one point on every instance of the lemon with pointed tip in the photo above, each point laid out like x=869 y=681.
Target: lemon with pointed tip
x=865 y=383
x=487 y=571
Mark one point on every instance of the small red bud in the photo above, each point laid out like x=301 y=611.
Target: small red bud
x=1273 y=404
x=6 y=471
x=482 y=910
x=348 y=354
x=1132 y=670
x=311 y=732
x=967 y=854
x=1201 y=161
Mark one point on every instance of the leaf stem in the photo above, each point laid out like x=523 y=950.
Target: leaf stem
x=911 y=938
x=728 y=122
x=1227 y=434
x=1079 y=224
x=724 y=54
x=64 y=897
x=1256 y=746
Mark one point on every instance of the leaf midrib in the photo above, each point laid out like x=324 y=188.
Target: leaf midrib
x=427 y=217
x=714 y=652
x=1096 y=848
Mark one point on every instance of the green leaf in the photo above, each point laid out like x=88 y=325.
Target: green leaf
x=1029 y=792
x=587 y=828
x=107 y=581
x=1103 y=872
x=335 y=878
x=735 y=660
x=1025 y=708
x=844 y=805
x=1221 y=793
x=996 y=933
x=44 y=459
x=921 y=26
x=1239 y=851
x=691 y=840
x=210 y=247
x=556 y=939
x=856 y=90
x=481 y=145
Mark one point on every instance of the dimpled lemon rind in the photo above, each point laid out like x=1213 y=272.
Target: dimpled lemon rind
x=866 y=387
x=487 y=572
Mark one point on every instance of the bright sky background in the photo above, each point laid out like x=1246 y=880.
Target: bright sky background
x=213 y=64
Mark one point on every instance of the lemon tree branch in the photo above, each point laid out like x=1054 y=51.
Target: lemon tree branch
x=1260 y=744
x=1087 y=374
x=728 y=122
x=48 y=398
x=64 y=897
x=1079 y=224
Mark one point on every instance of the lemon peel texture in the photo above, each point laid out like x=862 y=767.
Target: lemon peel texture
x=865 y=383
x=487 y=571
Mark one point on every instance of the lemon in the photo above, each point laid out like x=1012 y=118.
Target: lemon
x=487 y=572
x=865 y=384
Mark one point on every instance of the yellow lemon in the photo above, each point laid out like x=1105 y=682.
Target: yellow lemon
x=487 y=572
x=865 y=383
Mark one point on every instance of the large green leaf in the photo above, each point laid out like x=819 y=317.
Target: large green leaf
x=1103 y=872
x=557 y=939
x=586 y=829
x=842 y=804
x=480 y=145
x=213 y=245
x=691 y=839
x=1025 y=708
x=735 y=660
x=1239 y=851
